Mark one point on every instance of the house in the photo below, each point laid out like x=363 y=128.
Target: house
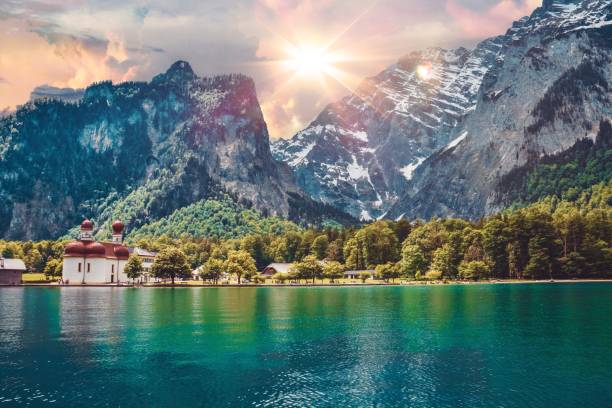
x=276 y=268
x=11 y=271
x=355 y=273
x=147 y=258
x=89 y=261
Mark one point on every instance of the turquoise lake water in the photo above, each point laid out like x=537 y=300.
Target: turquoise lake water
x=532 y=345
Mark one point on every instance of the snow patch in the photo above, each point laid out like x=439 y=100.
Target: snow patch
x=408 y=170
x=456 y=141
x=356 y=171
x=298 y=157
x=365 y=216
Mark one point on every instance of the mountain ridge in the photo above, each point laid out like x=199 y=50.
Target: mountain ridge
x=360 y=152
x=549 y=89
x=140 y=150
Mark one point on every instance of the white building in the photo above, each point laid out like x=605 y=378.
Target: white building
x=89 y=261
x=147 y=258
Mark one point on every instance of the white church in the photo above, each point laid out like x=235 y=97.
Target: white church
x=89 y=261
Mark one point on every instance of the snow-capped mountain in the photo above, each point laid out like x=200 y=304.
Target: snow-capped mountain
x=551 y=85
x=361 y=151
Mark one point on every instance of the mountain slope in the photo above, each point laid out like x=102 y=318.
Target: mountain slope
x=221 y=218
x=359 y=153
x=562 y=175
x=549 y=89
x=139 y=151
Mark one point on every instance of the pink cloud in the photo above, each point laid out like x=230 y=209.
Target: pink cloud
x=62 y=60
x=492 y=21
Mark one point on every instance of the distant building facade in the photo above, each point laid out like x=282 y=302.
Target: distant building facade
x=147 y=258
x=11 y=271
x=276 y=267
x=356 y=274
x=89 y=261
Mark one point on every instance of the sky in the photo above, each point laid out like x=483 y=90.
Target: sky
x=302 y=54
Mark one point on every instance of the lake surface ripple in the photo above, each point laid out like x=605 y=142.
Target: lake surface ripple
x=532 y=345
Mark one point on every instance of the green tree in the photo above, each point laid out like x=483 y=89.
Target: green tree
x=573 y=264
x=443 y=263
x=334 y=251
x=256 y=247
x=213 y=269
x=278 y=250
x=495 y=241
x=33 y=260
x=241 y=264
x=171 y=263
x=319 y=246
x=387 y=271
x=280 y=277
x=540 y=260
x=308 y=268
x=543 y=246
x=364 y=276
x=378 y=243
x=413 y=263
x=473 y=270
x=428 y=237
x=133 y=267
x=401 y=229
x=259 y=278
x=353 y=255
x=332 y=270
x=11 y=250
x=53 y=268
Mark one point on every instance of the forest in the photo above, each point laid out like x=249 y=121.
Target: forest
x=554 y=238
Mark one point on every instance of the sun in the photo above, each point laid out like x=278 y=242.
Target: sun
x=309 y=61
x=424 y=72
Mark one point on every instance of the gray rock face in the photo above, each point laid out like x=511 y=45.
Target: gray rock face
x=139 y=151
x=550 y=87
x=360 y=152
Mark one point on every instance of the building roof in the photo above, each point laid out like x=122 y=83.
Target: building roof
x=142 y=252
x=12 y=264
x=357 y=272
x=279 y=267
x=94 y=249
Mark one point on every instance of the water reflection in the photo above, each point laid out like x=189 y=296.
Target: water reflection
x=512 y=345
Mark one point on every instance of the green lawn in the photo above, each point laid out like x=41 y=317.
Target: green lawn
x=33 y=277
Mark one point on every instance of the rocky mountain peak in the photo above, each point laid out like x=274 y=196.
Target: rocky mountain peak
x=180 y=71
x=550 y=4
x=549 y=87
x=360 y=151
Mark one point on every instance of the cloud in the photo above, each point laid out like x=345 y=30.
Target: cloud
x=488 y=22
x=71 y=43
x=40 y=55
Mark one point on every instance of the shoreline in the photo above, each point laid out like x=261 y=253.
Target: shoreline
x=308 y=285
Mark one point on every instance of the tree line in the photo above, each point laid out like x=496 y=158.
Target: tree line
x=551 y=239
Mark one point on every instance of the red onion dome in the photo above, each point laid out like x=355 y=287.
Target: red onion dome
x=121 y=252
x=75 y=248
x=87 y=225
x=117 y=227
x=95 y=249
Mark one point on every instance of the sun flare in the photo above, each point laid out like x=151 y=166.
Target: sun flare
x=309 y=61
x=424 y=72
